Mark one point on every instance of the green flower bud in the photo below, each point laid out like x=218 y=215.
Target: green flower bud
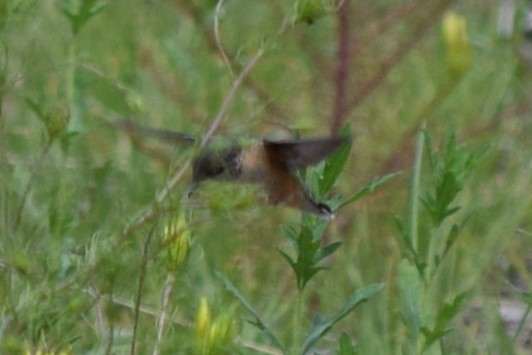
x=135 y=103
x=57 y=121
x=310 y=10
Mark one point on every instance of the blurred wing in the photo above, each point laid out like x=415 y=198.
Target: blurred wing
x=300 y=153
x=136 y=129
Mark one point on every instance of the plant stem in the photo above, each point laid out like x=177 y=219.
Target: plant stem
x=414 y=214
x=297 y=322
x=70 y=85
x=414 y=195
x=341 y=76
x=168 y=286
x=4 y=176
x=141 y=279
x=29 y=184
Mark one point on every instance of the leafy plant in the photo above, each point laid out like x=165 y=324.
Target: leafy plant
x=306 y=242
x=426 y=321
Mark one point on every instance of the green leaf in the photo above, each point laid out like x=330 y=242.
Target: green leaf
x=443 y=319
x=410 y=289
x=3 y=14
x=450 y=310
x=369 y=188
x=36 y=109
x=291 y=236
x=55 y=118
x=333 y=167
x=450 y=171
x=346 y=347
x=433 y=336
x=451 y=238
x=320 y=327
x=303 y=264
x=259 y=322
x=403 y=238
x=289 y=231
x=318 y=229
x=326 y=251
x=404 y=241
x=80 y=12
x=288 y=259
x=428 y=149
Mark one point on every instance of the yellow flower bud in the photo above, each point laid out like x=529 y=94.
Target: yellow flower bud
x=457 y=43
x=203 y=325
x=223 y=330
x=214 y=336
x=176 y=239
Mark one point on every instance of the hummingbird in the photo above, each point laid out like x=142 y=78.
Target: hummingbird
x=272 y=164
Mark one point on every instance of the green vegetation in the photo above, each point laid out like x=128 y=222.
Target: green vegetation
x=101 y=251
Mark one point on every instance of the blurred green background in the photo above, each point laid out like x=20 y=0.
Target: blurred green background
x=75 y=279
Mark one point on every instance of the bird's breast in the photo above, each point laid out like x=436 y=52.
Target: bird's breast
x=280 y=186
x=254 y=165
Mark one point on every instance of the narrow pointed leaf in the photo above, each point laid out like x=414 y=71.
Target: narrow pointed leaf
x=333 y=167
x=289 y=232
x=319 y=229
x=321 y=327
x=259 y=322
x=369 y=188
x=288 y=259
x=444 y=318
x=451 y=238
x=410 y=289
x=403 y=238
x=326 y=251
